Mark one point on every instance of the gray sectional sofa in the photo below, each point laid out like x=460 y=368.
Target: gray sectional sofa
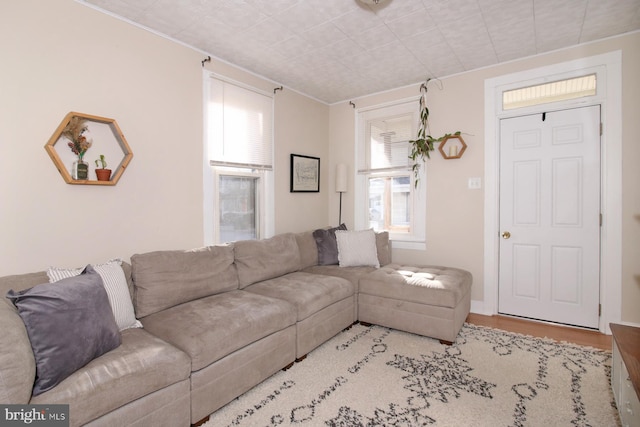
x=219 y=320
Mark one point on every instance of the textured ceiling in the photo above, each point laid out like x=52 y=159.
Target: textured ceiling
x=337 y=50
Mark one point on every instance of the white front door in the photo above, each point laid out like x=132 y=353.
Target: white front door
x=550 y=216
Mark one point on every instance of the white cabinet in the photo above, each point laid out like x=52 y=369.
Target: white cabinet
x=625 y=362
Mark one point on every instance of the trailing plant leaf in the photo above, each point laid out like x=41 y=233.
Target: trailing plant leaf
x=424 y=144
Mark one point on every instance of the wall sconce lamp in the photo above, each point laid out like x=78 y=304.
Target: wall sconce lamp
x=341 y=185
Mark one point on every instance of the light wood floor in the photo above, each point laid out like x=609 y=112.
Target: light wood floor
x=540 y=329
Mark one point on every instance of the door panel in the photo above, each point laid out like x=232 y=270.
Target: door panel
x=526 y=193
x=526 y=266
x=565 y=274
x=567 y=192
x=550 y=206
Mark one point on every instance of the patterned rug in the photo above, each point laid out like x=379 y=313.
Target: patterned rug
x=373 y=376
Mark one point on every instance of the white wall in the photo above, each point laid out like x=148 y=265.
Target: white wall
x=454 y=213
x=60 y=56
x=302 y=127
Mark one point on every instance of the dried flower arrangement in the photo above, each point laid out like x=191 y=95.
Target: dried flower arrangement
x=74 y=131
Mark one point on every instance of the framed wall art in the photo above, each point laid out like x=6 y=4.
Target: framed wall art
x=305 y=174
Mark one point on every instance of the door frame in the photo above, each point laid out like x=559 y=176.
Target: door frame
x=608 y=68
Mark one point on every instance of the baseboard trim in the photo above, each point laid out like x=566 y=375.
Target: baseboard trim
x=477 y=307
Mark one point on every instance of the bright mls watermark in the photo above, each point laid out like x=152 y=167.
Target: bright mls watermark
x=34 y=415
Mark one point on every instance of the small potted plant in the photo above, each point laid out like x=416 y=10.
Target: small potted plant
x=102 y=173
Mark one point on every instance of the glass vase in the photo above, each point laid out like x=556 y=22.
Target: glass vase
x=80 y=170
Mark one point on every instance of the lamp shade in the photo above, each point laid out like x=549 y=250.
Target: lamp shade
x=341 y=178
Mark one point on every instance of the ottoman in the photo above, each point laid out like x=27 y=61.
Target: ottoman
x=431 y=301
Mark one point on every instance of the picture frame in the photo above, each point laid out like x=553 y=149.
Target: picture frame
x=305 y=174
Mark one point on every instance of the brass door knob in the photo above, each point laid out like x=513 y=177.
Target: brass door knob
x=506 y=235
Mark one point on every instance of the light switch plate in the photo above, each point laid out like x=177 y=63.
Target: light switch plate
x=475 y=183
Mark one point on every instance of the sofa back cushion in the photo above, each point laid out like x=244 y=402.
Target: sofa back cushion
x=308 y=249
x=18 y=370
x=383 y=247
x=258 y=260
x=20 y=282
x=163 y=279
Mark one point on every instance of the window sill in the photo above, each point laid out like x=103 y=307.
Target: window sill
x=409 y=244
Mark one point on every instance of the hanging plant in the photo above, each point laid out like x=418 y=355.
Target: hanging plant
x=422 y=147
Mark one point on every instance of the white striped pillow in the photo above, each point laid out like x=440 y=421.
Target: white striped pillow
x=115 y=283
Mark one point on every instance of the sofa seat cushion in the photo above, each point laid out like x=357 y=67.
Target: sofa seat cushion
x=210 y=328
x=352 y=274
x=438 y=286
x=308 y=292
x=141 y=365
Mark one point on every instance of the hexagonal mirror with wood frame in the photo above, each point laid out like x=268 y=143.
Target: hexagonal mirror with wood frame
x=83 y=146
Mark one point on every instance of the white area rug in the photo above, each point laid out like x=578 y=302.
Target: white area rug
x=373 y=376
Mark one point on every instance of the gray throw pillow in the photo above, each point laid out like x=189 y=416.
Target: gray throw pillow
x=69 y=324
x=327 y=246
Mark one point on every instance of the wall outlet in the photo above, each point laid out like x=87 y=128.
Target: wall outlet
x=475 y=183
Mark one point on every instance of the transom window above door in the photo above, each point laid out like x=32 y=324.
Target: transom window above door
x=561 y=90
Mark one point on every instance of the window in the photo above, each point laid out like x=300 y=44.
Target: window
x=239 y=162
x=386 y=195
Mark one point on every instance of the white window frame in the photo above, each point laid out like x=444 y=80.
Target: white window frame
x=265 y=211
x=416 y=238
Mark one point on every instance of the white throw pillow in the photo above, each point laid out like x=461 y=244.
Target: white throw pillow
x=357 y=248
x=115 y=283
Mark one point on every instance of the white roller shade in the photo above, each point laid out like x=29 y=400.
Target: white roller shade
x=387 y=139
x=240 y=126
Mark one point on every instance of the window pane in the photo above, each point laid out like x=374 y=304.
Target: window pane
x=237 y=208
x=390 y=203
x=389 y=142
x=376 y=203
x=577 y=87
x=401 y=207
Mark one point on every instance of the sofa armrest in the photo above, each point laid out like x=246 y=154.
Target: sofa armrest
x=17 y=364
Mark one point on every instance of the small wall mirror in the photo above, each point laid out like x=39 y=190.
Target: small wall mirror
x=106 y=139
